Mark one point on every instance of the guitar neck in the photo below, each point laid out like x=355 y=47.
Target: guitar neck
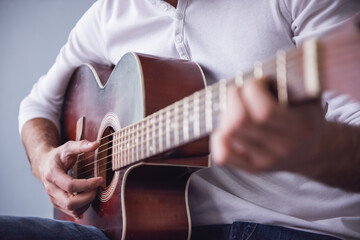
x=182 y=122
x=299 y=74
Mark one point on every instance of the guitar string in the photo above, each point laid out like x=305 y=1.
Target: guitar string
x=107 y=162
x=126 y=140
x=154 y=115
x=144 y=124
x=155 y=134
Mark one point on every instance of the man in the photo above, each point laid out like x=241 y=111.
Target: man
x=287 y=174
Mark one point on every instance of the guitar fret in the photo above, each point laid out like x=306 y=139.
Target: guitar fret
x=281 y=77
x=118 y=158
x=147 y=138
x=239 y=79
x=172 y=126
x=176 y=124
x=222 y=94
x=181 y=122
x=137 y=142
x=202 y=114
x=143 y=140
x=196 y=115
x=167 y=131
x=215 y=107
x=191 y=119
x=129 y=148
x=152 y=136
x=155 y=137
x=208 y=108
x=311 y=68
x=114 y=152
x=186 y=120
x=161 y=131
x=126 y=147
x=132 y=144
x=258 y=70
x=121 y=148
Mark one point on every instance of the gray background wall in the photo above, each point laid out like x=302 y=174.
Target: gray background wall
x=31 y=35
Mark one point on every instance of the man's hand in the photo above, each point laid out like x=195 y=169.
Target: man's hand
x=257 y=134
x=72 y=196
x=50 y=163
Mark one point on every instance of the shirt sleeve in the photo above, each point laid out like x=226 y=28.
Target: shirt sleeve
x=84 y=45
x=315 y=18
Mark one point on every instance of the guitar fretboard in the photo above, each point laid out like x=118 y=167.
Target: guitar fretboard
x=184 y=121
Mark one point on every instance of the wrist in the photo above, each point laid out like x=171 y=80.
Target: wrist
x=39 y=137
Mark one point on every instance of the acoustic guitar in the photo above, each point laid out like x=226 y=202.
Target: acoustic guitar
x=152 y=117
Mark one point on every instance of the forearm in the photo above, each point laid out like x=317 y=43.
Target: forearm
x=337 y=162
x=39 y=136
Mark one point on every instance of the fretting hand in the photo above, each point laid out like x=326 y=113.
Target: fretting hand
x=257 y=134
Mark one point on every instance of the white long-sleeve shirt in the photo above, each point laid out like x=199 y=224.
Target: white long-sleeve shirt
x=223 y=36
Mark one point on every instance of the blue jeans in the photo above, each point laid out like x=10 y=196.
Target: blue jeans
x=33 y=228
x=252 y=231
x=12 y=228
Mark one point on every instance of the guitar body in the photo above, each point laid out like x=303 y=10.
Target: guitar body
x=147 y=199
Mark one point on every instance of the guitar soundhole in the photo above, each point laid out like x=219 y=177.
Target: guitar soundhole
x=105 y=157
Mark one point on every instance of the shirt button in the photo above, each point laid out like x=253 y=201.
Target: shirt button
x=164 y=6
x=179 y=16
x=179 y=38
x=182 y=54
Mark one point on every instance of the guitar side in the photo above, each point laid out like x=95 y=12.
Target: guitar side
x=147 y=200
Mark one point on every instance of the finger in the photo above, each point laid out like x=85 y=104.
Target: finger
x=68 y=152
x=79 y=201
x=243 y=150
x=232 y=120
x=76 y=147
x=76 y=214
x=235 y=116
x=70 y=202
x=222 y=151
x=85 y=185
x=259 y=101
x=70 y=185
x=79 y=212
